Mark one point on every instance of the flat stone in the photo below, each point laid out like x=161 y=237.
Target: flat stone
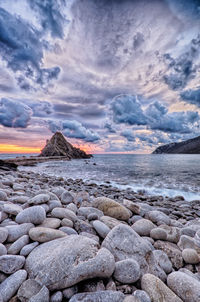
x=143 y=227
x=54 y=204
x=10 y=285
x=16 y=247
x=35 y=215
x=185 y=286
x=101 y=228
x=9 y=264
x=101 y=296
x=110 y=221
x=78 y=255
x=28 y=248
x=3 y=234
x=157 y=290
x=67 y=222
x=158 y=234
x=17 y=231
x=68 y=231
x=41 y=234
x=63 y=213
x=39 y=199
x=28 y=289
x=127 y=271
x=52 y=223
x=190 y=256
x=12 y=209
x=111 y=208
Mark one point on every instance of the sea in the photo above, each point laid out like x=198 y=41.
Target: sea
x=154 y=174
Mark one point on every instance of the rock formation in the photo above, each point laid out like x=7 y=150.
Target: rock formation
x=59 y=146
x=191 y=146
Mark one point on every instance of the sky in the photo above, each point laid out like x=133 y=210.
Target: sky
x=112 y=75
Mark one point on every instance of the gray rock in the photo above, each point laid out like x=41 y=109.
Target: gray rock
x=78 y=255
x=185 y=286
x=28 y=248
x=158 y=234
x=56 y=297
x=54 y=204
x=141 y=295
x=3 y=250
x=35 y=215
x=40 y=198
x=124 y=243
x=72 y=207
x=190 y=256
x=157 y=290
x=188 y=231
x=9 y=264
x=3 y=195
x=92 y=217
x=111 y=208
x=69 y=292
x=84 y=226
x=3 y=234
x=131 y=299
x=187 y=242
x=86 y=211
x=158 y=216
x=89 y=235
x=16 y=247
x=12 y=209
x=101 y=228
x=42 y=296
x=101 y=296
x=17 y=231
x=68 y=231
x=11 y=284
x=173 y=233
x=3 y=216
x=63 y=213
x=163 y=261
x=66 y=197
x=52 y=223
x=41 y=234
x=66 y=222
x=143 y=227
x=110 y=221
x=127 y=271
x=28 y=289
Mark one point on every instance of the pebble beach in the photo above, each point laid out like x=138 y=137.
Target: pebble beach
x=70 y=240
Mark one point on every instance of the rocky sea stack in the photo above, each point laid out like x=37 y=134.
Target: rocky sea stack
x=190 y=146
x=59 y=146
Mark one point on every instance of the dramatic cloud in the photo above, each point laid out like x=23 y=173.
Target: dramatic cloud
x=74 y=129
x=14 y=114
x=128 y=134
x=191 y=96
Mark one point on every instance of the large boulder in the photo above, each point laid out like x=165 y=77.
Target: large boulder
x=111 y=208
x=64 y=262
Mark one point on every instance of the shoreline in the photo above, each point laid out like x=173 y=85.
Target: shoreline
x=115 y=244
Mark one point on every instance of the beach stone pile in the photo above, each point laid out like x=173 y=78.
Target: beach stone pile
x=66 y=240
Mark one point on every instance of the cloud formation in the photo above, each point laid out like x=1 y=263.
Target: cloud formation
x=191 y=96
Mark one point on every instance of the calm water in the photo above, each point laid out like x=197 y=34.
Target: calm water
x=168 y=175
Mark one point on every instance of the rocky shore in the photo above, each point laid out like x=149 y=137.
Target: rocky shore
x=66 y=240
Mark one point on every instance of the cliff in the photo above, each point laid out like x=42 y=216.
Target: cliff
x=191 y=146
x=59 y=146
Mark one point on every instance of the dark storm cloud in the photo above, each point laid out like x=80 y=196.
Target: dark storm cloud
x=73 y=129
x=21 y=46
x=51 y=15
x=183 y=68
x=14 y=114
x=191 y=96
x=127 y=110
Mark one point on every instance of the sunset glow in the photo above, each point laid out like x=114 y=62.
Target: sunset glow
x=17 y=149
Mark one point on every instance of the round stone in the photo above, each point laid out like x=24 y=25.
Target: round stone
x=66 y=222
x=143 y=227
x=41 y=234
x=3 y=234
x=158 y=234
x=190 y=256
x=35 y=215
x=127 y=271
x=101 y=228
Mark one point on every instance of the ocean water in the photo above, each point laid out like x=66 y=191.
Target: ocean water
x=156 y=174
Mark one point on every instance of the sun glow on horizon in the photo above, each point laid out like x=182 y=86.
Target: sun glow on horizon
x=9 y=148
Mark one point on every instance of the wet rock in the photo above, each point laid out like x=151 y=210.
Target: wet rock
x=35 y=215
x=186 y=287
x=41 y=234
x=77 y=254
x=101 y=296
x=111 y=208
x=11 y=284
x=157 y=290
x=143 y=227
x=127 y=271
x=9 y=264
